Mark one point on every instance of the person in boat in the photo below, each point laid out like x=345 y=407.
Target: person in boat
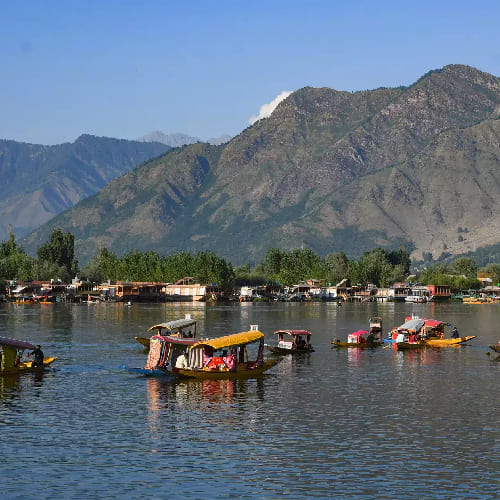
x=38 y=357
x=370 y=338
x=454 y=333
x=301 y=343
x=182 y=361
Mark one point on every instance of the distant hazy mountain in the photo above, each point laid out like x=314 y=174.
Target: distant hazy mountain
x=217 y=141
x=176 y=140
x=328 y=170
x=172 y=140
x=38 y=182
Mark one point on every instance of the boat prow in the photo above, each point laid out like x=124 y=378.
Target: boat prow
x=448 y=342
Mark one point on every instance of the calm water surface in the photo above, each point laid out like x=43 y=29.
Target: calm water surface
x=332 y=424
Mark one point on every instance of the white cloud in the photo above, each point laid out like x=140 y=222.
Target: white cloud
x=267 y=109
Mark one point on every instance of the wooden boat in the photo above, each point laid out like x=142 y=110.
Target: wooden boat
x=292 y=342
x=447 y=342
x=200 y=359
x=183 y=328
x=495 y=348
x=12 y=351
x=419 y=332
x=364 y=338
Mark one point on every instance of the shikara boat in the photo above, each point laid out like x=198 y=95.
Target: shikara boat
x=364 y=338
x=292 y=342
x=419 y=332
x=12 y=351
x=182 y=328
x=219 y=358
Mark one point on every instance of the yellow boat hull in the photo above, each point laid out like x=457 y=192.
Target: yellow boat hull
x=26 y=367
x=241 y=372
x=448 y=342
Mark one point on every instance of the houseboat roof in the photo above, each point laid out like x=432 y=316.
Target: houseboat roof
x=21 y=344
x=231 y=340
x=171 y=325
x=293 y=332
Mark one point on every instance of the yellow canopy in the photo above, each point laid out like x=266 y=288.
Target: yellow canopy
x=231 y=340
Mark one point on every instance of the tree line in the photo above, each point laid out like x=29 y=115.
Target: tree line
x=56 y=260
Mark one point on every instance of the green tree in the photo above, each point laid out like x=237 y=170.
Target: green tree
x=60 y=249
x=464 y=266
x=336 y=267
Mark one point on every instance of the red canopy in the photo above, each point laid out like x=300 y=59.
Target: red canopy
x=358 y=333
x=433 y=322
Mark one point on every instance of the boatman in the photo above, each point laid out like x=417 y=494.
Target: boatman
x=38 y=355
x=454 y=333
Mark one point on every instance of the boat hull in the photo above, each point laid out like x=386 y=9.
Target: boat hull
x=26 y=367
x=242 y=372
x=495 y=348
x=405 y=346
x=356 y=344
x=282 y=351
x=448 y=342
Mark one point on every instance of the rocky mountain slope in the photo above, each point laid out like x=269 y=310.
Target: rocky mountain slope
x=38 y=182
x=329 y=170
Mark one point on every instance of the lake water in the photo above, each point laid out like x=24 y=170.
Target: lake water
x=333 y=424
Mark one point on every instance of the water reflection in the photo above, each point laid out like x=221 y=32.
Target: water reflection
x=11 y=386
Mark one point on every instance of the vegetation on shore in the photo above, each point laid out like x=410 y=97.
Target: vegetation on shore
x=56 y=260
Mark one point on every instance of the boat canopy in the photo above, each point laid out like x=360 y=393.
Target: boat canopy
x=433 y=323
x=415 y=324
x=359 y=333
x=173 y=325
x=16 y=343
x=175 y=340
x=231 y=340
x=293 y=332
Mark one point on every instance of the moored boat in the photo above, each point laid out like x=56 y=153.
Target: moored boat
x=219 y=358
x=364 y=338
x=292 y=342
x=11 y=353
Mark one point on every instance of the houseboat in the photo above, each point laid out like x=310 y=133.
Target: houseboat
x=419 y=294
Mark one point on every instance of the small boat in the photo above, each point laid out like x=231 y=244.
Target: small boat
x=182 y=328
x=292 y=342
x=364 y=338
x=12 y=351
x=495 y=348
x=220 y=358
x=419 y=332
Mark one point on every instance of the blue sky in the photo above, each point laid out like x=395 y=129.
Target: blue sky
x=125 y=68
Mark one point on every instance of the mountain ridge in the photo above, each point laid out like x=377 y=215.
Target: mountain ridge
x=330 y=170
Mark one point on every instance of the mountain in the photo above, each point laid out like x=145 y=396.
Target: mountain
x=38 y=182
x=172 y=140
x=329 y=170
x=177 y=139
